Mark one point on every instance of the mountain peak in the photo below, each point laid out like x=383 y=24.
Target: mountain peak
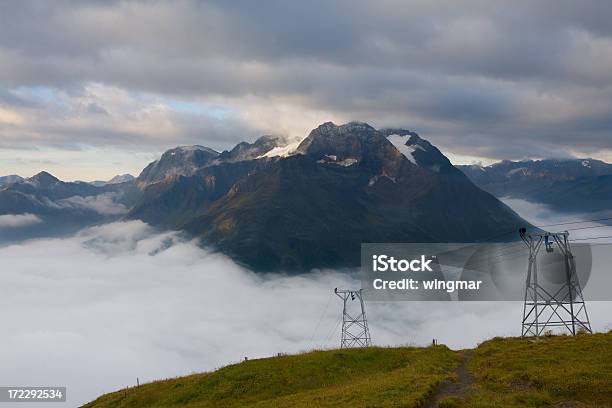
x=192 y=149
x=418 y=150
x=249 y=151
x=181 y=160
x=355 y=124
x=120 y=178
x=43 y=179
x=356 y=140
x=344 y=141
x=327 y=125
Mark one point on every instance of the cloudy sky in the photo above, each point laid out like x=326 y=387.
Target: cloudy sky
x=90 y=89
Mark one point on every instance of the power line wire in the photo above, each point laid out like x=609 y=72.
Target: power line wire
x=589 y=227
x=586 y=239
x=552 y=225
x=321 y=317
x=574 y=222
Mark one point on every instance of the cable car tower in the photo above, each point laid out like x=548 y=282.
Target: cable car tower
x=355 y=332
x=546 y=308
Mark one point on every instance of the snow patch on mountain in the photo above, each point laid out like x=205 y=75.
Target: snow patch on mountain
x=282 y=151
x=400 y=144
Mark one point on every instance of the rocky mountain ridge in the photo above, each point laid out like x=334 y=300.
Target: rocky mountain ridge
x=274 y=206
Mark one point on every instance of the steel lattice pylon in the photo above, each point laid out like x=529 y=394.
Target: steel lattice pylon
x=563 y=307
x=355 y=332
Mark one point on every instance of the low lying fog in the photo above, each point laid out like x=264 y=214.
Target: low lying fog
x=120 y=301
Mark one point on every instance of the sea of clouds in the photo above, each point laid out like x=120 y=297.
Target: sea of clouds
x=96 y=310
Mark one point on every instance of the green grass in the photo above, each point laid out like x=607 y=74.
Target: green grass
x=559 y=371
x=556 y=371
x=382 y=377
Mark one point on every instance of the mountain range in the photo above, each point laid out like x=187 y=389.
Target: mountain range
x=273 y=205
x=57 y=207
x=569 y=185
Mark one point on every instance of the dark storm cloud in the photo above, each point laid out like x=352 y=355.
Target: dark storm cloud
x=506 y=80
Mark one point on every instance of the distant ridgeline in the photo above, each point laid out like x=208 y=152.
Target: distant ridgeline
x=576 y=185
x=274 y=205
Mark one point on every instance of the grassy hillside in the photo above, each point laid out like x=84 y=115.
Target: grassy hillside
x=556 y=371
x=374 y=376
x=553 y=372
